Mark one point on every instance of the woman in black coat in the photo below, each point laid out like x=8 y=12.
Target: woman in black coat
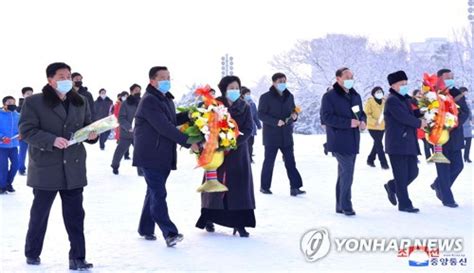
x=234 y=208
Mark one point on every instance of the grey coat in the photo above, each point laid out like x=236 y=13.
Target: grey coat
x=44 y=118
x=126 y=116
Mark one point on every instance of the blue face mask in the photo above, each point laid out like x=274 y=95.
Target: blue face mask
x=248 y=98
x=233 y=94
x=449 y=83
x=281 y=87
x=164 y=86
x=64 y=86
x=404 y=89
x=349 y=84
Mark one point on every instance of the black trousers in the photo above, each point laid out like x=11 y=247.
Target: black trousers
x=377 y=148
x=405 y=171
x=120 y=151
x=447 y=174
x=467 y=147
x=103 y=138
x=294 y=176
x=345 y=176
x=155 y=208
x=73 y=216
x=251 y=141
x=428 y=148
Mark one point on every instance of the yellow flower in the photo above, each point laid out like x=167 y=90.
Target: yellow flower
x=200 y=122
x=206 y=115
x=195 y=115
x=225 y=142
x=434 y=105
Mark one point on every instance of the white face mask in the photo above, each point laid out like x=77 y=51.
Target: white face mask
x=123 y=98
x=103 y=96
x=378 y=95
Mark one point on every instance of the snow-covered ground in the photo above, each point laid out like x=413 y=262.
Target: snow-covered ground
x=113 y=205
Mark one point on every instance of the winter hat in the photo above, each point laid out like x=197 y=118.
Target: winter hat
x=397 y=77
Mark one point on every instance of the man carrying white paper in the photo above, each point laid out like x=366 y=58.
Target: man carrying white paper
x=47 y=122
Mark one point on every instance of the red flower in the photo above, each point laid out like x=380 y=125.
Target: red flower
x=430 y=80
x=223 y=124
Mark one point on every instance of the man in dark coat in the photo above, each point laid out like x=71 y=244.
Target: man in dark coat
x=276 y=110
x=343 y=115
x=447 y=173
x=126 y=116
x=47 y=122
x=79 y=87
x=26 y=92
x=257 y=125
x=401 y=141
x=102 y=109
x=155 y=138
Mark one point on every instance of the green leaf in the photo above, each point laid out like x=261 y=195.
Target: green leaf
x=193 y=131
x=182 y=109
x=195 y=139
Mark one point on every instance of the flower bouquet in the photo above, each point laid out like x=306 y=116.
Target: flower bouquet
x=441 y=113
x=297 y=110
x=210 y=123
x=100 y=126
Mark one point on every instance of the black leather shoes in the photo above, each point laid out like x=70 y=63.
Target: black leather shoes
x=79 y=264
x=295 y=192
x=210 y=227
x=264 y=191
x=174 y=239
x=392 y=197
x=33 y=261
x=410 y=210
x=242 y=232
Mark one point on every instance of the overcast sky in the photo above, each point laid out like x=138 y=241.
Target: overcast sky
x=114 y=43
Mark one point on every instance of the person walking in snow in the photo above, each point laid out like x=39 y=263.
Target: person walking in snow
x=276 y=110
x=26 y=92
x=467 y=128
x=344 y=117
x=8 y=144
x=102 y=108
x=448 y=173
x=121 y=98
x=401 y=141
x=126 y=117
x=155 y=139
x=235 y=207
x=257 y=125
x=46 y=123
x=78 y=86
x=376 y=125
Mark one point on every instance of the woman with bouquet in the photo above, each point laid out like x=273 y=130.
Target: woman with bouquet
x=233 y=208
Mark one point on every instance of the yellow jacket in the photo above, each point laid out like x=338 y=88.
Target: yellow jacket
x=373 y=110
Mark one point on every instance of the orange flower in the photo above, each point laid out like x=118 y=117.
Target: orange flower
x=297 y=109
x=184 y=127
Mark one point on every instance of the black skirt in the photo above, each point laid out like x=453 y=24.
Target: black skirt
x=227 y=218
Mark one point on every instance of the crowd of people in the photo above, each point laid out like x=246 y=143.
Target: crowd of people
x=43 y=123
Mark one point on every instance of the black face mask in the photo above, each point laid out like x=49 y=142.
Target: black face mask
x=138 y=95
x=78 y=84
x=11 y=108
